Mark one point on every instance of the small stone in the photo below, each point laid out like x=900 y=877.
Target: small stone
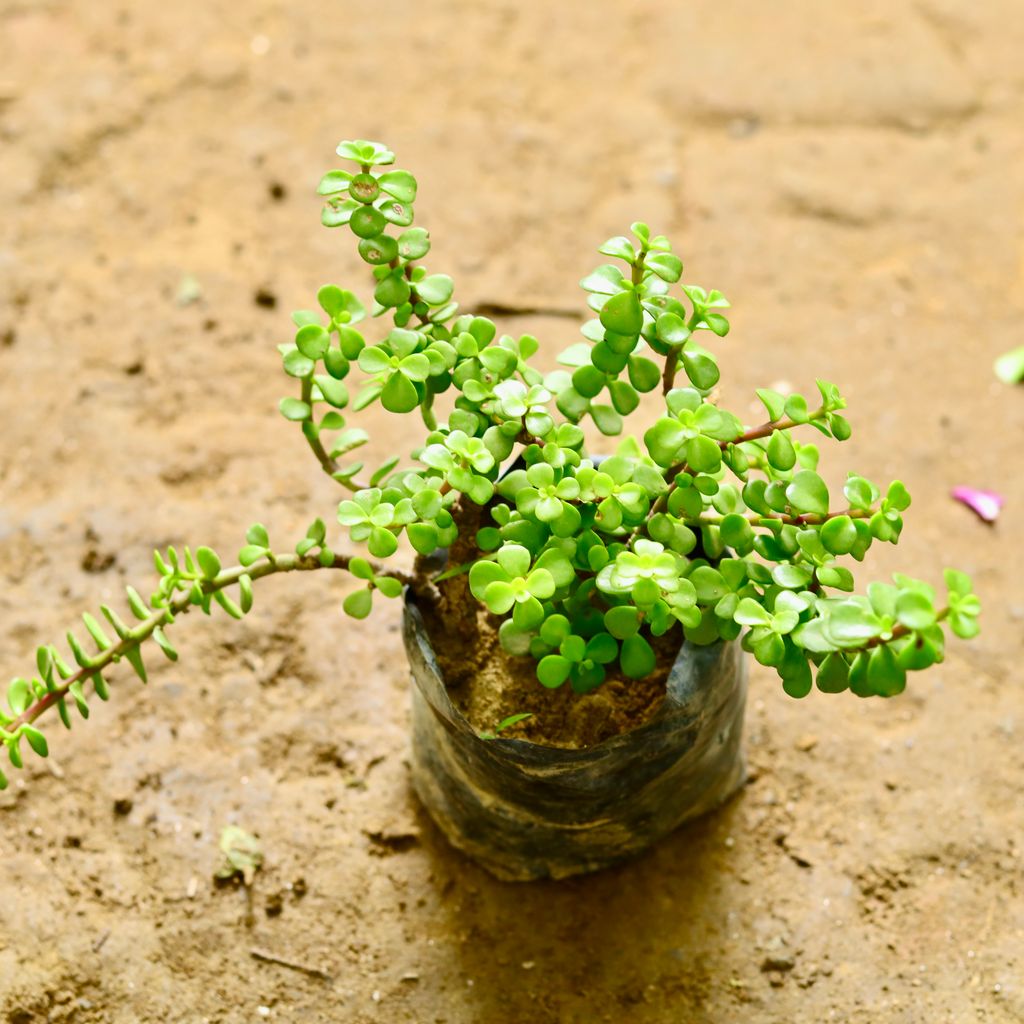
x=778 y=962
x=410 y=976
x=123 y=806
x=807 y=743
x=528 y=965
x=263 y=1011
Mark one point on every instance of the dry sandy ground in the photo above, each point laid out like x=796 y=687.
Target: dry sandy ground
x=851 y=175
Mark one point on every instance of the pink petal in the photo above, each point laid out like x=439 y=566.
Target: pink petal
x=985 y=504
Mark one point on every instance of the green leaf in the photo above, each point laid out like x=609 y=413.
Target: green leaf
x=796 y=673
x=781 y=453
x=251 y=554
x=298 y=365
x=859 y=492
x=666 y=265
x=737 y=533
x=619 y=247
x=703 y=455
x=367 y=222
x=36 y=740
x=209 y=563
x=622 y=313
x=833 y=674
x=701 y=368
x=334 y=392
x=423 y=537
x=392 y=291
x=514 y=559
x=499 y=597
x=914 y=610
x=796 y=408
x=362 y=151
x=773 y=402
x=792 y=577
x=164 y=644
x=359 y=604
x=257 y=534
x=622 y=622
x=435 y=290
x=850 y=624
x=637 y=657
x=245 y=597
x=606 y=419
x=808 y=493
x=382 y=543
x=505 y=723
x=134 y=656
x=19 y=695
x=897 y=496
x=644 y=374
x=399 y=394
x=886 y=677
x=388 y=586
x=294 y=409
x=671 y=329
x=378 y=250
x=717 y=323
x=334 y=182
x=312 y=341
x=338 y=212
x=553 y=670
x=750 y=613
x=414 y=243
x=400 y=184
x=839 y=535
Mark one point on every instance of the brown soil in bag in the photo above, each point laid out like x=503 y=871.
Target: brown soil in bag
x=488 y=685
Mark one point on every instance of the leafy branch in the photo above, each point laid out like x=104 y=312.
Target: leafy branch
x=194 y=580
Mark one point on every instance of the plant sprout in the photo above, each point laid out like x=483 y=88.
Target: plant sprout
x=705 y=525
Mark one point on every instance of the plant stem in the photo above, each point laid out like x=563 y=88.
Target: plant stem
x=766 y=429
x=330 y=466
x=668 y=377
x=179 y=606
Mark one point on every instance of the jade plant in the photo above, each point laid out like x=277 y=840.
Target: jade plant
x=701 y=524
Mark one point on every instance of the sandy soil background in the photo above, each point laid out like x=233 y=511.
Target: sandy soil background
x=851 y=175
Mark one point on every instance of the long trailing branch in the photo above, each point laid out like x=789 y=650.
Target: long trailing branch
x=132 y=639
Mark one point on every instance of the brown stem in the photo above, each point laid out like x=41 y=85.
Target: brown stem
x=330 y=465
x=181 y=605
x=668 y=377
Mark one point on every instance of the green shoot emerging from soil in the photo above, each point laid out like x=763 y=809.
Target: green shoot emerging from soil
x=721 y=529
